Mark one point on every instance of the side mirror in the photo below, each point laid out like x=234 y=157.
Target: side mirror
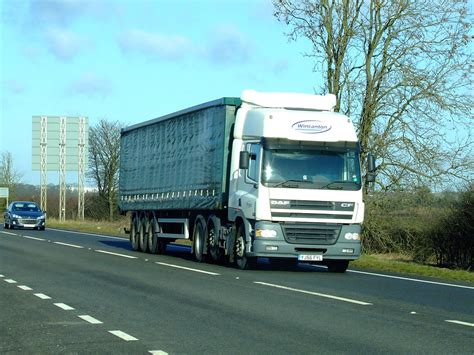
x=244 y=160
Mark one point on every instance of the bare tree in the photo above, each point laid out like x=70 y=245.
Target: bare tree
x=9 y=175
x=104 y=154
x=403 y=70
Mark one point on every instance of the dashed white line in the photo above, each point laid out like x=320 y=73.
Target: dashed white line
x=69 y=245
x=42 y=296
x=158 y=352
x=116 y=254
x=10 y=281
x=34 y=238
x=9 y=233
x=460 y=322
x=122 y=335
x=25 y=288
x=189 y=269
x=2 y=276
x=64 y=306
x=315 y=294
x=410 y=279
x=90 y=319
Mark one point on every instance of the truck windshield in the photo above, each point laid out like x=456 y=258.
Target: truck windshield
x=333 y=168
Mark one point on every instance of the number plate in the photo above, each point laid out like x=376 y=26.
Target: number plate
x=310 y=257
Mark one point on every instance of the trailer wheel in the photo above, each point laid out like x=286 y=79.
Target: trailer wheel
x=242 y=261
x=134 y=230
x=199 y=235
x=142 y=233
x=339 y=266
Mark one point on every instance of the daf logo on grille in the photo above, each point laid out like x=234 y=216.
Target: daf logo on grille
x=280 y=202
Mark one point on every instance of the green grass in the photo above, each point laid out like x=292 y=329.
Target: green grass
x=402 y=264
x=379 y=262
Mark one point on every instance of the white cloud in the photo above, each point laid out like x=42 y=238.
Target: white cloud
x=62 y=12
x=228 y=46
x=91 y=85
x=14 y=86
x=157 y=45
x=64 y=44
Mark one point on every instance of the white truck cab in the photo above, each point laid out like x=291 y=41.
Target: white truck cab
x=295 y=179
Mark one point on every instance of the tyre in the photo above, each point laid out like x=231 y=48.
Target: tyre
x=212 y=239
x=199 y=240
x=142 y=233
x=42 y=228
x=134 y=231
x=338 y=266
x=242 y=261
x=5 y=225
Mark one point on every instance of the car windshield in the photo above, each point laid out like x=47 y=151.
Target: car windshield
x=25 y=207
x=315 y=168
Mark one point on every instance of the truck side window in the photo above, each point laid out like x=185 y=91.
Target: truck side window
x=254 y=150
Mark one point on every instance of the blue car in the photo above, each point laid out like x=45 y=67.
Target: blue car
x=24 y=214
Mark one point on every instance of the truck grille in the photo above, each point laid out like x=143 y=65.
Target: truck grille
x=311 y=233
x=291 y=210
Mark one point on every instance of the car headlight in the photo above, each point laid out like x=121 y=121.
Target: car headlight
x=40 y=217
x=16 y=216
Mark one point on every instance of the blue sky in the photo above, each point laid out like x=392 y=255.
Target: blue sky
x=133 y=60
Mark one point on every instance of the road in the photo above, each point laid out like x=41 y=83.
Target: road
x=67 y=292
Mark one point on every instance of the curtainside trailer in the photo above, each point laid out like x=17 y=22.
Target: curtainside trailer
x=272 y=175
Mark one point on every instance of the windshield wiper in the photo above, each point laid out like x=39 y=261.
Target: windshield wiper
x=288 y=185
x=336 y=182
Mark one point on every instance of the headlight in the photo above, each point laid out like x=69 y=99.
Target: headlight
x=16 y=216
x=265 y=233
x=352 y=236
x=40 y=217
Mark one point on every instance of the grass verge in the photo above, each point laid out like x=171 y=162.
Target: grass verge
x=377 y=262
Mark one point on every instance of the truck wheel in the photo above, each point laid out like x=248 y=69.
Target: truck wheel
x=153 y=235
x=198 y=241
x=212 y=239
x=242 y=261
x=142 y=235
x=134 y=231
x=339 y=266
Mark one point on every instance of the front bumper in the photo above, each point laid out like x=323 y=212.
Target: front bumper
x=278 y=247
x=28 y=223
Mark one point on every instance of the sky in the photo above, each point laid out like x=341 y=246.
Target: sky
x=134 y=60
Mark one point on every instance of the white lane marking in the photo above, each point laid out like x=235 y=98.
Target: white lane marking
x=116 y=254
x=122 y=335
x=34 y=238
x=69 y=245
x=460 y=322
x=90 y=234
x=1 y=276
x=409 y=279
x=189 y=269
x=10 y=281
x=315 y=294
x=42 y=296
x=90 y=319
x=158 y=352
x=64 y=306
x=25 y=288
x=9 y=233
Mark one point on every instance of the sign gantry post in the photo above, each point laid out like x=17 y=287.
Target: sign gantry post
x=44 y=161
x=81 y=168
x=60 y=144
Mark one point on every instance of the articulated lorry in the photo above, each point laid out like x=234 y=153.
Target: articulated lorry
x=266 y=175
